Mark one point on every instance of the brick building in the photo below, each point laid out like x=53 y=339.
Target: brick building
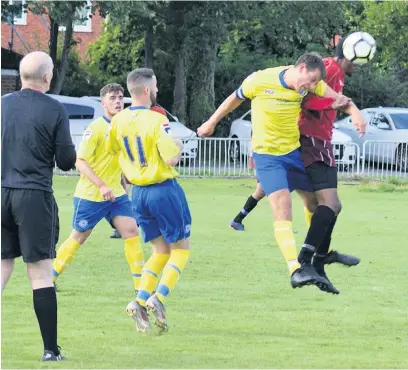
x=31 y=32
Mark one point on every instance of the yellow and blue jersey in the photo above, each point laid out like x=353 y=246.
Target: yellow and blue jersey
x=105 y=165
x=143 y=140
x=275 y=110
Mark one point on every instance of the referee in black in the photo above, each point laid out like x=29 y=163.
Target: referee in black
x=34 y=135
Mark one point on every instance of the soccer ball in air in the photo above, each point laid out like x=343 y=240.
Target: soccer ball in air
x=359 y=47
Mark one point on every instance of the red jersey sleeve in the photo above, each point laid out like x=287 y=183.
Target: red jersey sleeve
x=313 y=102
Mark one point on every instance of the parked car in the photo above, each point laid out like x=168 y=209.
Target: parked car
x=81 y=113
x=179 y=131
x=388 y=128
x=345 y=152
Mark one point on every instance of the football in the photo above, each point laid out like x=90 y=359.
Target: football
x=359 y=47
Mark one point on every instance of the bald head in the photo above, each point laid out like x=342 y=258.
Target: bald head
x=36 y=68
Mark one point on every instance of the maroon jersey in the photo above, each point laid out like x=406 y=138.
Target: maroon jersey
x=317 y=119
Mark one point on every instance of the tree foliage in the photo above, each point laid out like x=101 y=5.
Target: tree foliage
x=201 y=51
x=60 y=14
x=388 y=23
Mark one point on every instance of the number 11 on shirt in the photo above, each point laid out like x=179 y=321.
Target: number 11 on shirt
x=140 y=150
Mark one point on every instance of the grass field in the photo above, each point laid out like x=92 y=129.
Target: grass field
x=233 y=307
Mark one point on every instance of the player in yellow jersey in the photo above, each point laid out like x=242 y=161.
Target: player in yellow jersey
x=125 y=183
x=148 y=154
x=99 y=193
x=276 y=95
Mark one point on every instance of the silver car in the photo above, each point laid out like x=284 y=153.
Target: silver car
x=386 y=139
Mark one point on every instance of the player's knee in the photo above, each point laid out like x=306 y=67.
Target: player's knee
x=311 y=204
x=333 y=204
x=259 y=193
x=128 y=229
x=39 y=274
x=281 y=204
x=160 y=246
x=80 y=237
x=336 y=207
x=129 y=232
x=182 y=244
x=7 y=264
x=126 y=226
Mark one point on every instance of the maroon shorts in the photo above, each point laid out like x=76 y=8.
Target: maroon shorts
x=314 y=150
x=318 y=158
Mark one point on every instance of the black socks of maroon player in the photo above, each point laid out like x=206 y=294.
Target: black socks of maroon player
x=45 y=307
x=319 y=234
x=248 y=207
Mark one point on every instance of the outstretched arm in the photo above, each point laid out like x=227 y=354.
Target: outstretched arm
x=357 y=118
x=228 y=105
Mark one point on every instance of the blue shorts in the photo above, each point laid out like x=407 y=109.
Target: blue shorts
x=88 y=213
x=162 y=210
x=277 y=172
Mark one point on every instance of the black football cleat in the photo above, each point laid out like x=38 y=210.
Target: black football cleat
x=51 y=356
x=343 y=259
x=305 y=275
x=325 y=285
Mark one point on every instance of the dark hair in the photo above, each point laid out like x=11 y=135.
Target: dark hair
x=312 y=61
x=339 y=48
x=138 y=77
x=111 y=88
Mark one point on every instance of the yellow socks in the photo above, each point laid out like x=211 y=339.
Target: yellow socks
x=172 y=272
x=64 y=257
x=135 y=258
x=308 y=216
x=150 y=274
x=287 y=245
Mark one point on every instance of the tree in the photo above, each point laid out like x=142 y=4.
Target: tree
x=139 y=17
x=207 y=25
x=115 y=54
x=176 y=27
x=63 y=14
x=387 y=22
x=384 y=81
x=8 y=12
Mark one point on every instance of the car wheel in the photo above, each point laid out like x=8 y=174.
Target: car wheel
x=234 y=149
x=401 y=158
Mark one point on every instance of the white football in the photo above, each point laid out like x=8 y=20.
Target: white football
x=359 y=47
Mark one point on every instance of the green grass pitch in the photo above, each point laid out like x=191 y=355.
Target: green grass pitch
x=233 y=306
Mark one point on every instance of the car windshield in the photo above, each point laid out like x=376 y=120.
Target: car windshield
x=400 y=120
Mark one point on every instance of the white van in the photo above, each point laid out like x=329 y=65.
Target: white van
x=178 y=130
x=81 y=112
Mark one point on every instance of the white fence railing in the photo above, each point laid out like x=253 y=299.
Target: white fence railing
x=228 y=157
x=384 y=159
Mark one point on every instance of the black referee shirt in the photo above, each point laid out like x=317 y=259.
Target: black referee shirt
x=34 y=135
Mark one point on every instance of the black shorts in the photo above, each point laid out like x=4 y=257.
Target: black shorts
x=29 y=224
x=322 y=176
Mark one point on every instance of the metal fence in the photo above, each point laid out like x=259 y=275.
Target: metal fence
x=228 y=157
x=385 y=159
